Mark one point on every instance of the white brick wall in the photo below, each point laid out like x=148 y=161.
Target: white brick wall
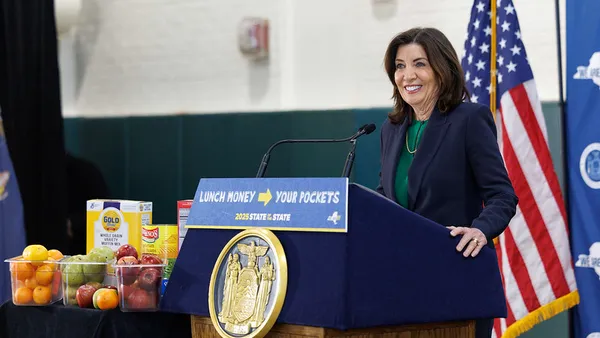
x=143 y=57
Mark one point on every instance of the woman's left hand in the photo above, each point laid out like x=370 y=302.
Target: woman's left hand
x=472 y=240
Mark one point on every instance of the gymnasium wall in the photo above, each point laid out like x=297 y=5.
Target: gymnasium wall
x=163 y=57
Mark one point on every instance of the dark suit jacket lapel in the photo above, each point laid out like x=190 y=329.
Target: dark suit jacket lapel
x=430 y=142
x=395 y=146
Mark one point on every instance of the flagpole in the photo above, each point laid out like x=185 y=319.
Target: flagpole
x=493 y=60
x=561 y=104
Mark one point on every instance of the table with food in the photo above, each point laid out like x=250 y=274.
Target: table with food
x=112 y=290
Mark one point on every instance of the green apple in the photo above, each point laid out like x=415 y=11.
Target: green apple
x=105 y=252
x=73 y=274
x=95 y=269
x=70 y=294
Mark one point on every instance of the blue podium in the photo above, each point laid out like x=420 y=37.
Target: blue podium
x=392 y=271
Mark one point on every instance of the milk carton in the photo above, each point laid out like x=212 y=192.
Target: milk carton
x=112 y=223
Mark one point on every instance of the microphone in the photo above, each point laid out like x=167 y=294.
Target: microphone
x=363 y=130
x=367 y=129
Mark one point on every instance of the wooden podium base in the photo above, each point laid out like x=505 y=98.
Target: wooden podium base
x=202 y=327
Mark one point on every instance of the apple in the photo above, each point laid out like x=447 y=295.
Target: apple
x=84 y=296
x=128 y=274
x=126 y=290
x=149 y=278
x=150 y=259
x=126 y=250
x=154 y=299
x=96 y=285
x=128 y=260
x=140 y=299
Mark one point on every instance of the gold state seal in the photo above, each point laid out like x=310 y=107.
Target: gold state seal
x=248 y=285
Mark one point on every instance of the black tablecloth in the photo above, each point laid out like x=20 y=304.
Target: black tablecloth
x=58 y=321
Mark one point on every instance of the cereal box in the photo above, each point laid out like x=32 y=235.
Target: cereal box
x=112 y=223
x=183 y=210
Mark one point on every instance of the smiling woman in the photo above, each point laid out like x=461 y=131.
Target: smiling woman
x=423 y=57
x=439 y=154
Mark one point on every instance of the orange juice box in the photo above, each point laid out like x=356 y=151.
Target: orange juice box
x=112 y=223
x=162 y=240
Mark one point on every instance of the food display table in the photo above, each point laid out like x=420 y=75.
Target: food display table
x=59 y=321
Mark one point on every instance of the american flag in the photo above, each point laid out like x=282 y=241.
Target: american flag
x=533 y=253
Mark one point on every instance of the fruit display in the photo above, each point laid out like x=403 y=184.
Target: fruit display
x=103 y=279
x=35 y=278
x=85 y=270
x=138 y=279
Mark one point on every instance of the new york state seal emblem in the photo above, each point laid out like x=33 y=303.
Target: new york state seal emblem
x=248 y=285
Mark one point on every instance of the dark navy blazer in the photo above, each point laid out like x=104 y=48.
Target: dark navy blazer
x=457 y=168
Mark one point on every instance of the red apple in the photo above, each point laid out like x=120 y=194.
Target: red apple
x=149 y=278
x=96 y=285
x=150 y=259
x=126 y=290
x=128 y=274
x=126 y=250
x=154 y=299
x=140 y=299
x=84 y=296
x=135 y=285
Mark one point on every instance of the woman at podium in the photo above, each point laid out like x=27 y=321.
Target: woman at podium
x=439 y=152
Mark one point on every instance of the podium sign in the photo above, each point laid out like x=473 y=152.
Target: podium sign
x=293 y=204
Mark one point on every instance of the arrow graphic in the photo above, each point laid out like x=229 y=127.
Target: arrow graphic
x=265 y=196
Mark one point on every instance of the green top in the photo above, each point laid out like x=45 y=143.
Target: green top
x=410 y=145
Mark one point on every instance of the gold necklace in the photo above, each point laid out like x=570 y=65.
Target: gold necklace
x=416 y=139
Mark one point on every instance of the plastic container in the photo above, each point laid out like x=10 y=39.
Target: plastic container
x=34 y=283
x=139 y=286
x=76 y=273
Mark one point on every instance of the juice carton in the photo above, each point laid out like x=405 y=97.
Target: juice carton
x=183 y=210
x=162 y=240
x=112 y=223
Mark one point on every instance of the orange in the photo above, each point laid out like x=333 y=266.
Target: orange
x=31 y=283
x=42 y=295
x=23 y=295
x=18 y=284
x=107 y=299
x=57 y=255
x=22 y=271
x=52 y=265
x=44 y=274
x=36 y=253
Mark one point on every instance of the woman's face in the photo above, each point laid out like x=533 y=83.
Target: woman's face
x=414 y=76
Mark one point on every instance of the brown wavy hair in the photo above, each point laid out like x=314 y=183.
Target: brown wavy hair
x=446 y=67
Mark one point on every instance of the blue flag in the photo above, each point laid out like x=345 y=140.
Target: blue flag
x=12 y=227
x=583 y=142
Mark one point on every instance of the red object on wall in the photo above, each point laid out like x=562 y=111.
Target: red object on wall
x=253 y=38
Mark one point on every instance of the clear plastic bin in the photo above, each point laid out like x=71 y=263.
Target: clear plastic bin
x=34 y=283
x=139 y=286
x=76 y=273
